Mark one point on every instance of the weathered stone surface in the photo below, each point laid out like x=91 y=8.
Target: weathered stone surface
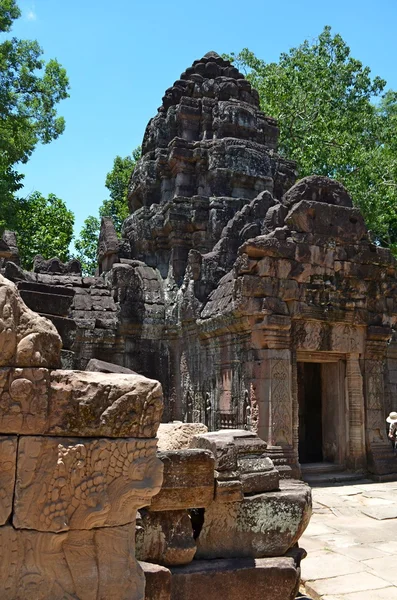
x=259 y=579
x=261 y=525
x=116 y=405
x=188 y=480
x=80 y=483
x=108 y=245
x=84 y=565
x=335 y=221
x=26 y=339
x=100 y=366
x=240 y=455
x=38 y=401
x=255 y=483
x=54 y=265
x=157 y=581
x=24 y=402
x=8 y=456
x=317 y=188
x=177 y=435
x=165 y=537
x=229 y=491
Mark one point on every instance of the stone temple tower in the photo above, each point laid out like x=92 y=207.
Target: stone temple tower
x=257 y=302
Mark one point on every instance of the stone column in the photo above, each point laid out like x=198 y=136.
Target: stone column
x=381 y=459
x=356 y=458
x=272 y=385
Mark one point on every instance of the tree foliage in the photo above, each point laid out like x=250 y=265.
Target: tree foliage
x=115 y=206
x=333 y=121
x=30 y=89
x=45 y=226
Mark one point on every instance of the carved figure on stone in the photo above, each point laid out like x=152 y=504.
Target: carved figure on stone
x=69 y=483
x=78 y=565
x=26 y=339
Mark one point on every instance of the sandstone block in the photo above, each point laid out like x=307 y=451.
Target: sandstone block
x=228 y=491
x=165 y=538
x=260 y=579
x=114 y=405
x=261 y=525
x=157 y=581
x=79 y=483
x=178 y=435
x=339 y=222
x=8 y=455
x=26 y=339
x=188 y=480
x=38 y=401
x=228 y=444
x=88 y=565
x=24 y=400
x=256 y=483
x=100 y=366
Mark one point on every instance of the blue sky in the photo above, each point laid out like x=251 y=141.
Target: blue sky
x=120 y=57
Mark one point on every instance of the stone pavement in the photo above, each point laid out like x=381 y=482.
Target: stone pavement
x=351 y=542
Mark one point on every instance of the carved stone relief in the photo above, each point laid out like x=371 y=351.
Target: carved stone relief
x=77 y=483
x=26 y=339
x=281 y=402
x=8 y=455
x=88 y=565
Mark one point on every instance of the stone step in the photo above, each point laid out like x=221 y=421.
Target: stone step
x=320 y=467
x=317 y=479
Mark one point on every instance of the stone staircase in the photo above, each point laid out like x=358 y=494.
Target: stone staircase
x=324 y=473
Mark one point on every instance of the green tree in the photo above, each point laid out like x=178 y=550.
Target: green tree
x=332 y=122
x=115 y=206
x=44 y=226
x=30 y=89
x=86 y=245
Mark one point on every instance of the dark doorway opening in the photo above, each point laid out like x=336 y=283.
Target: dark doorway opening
x=310 y=412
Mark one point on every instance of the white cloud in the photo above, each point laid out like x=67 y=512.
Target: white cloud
x=31 y=15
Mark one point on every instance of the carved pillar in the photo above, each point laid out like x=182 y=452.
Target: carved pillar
x=356 y=457
x=381 y=459
x=272 y=390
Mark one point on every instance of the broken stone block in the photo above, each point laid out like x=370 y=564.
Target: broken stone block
x=100 y=366
x=261 y=525
x=89 y=565
x=259 y=579
x=339 y=222
x=165 y=537
x=114 y=405
x=8 y=455
x=80 y=483
x=178 y=435
x=38 y=401
x=188 y=480
x=157 y=581
x=26 y=339
x=256 y=483
x=240 y=455
x=228 y=491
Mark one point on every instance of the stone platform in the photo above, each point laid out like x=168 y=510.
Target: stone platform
x=352 y=542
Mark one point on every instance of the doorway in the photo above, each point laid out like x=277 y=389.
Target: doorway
x=310 y=413
x=322 y=412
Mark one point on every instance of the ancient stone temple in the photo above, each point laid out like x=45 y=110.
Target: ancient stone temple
x=78 y=458
x=259 y=303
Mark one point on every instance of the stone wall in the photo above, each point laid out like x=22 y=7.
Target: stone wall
x=78 y=458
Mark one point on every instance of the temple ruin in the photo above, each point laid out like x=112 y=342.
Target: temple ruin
x=260 y=303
